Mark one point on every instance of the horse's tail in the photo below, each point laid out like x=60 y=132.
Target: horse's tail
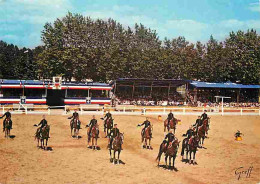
x=183 y=146
x=160 y=152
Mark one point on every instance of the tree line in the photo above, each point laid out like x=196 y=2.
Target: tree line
x=83 y=48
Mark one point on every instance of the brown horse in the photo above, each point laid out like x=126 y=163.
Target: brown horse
x=170 y=152
x=190 y=147
x=43 y=135
x=7 y=125
x=202 y=131
x=147 y=136
x=108 y=125
x=116 y=147
x=93 y=136
x=75 y=125
x=172 y=124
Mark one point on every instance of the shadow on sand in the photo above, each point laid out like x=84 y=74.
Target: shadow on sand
x=46 y=149
x=12 y=136
x=75 y=137
x=168 y=168
x=96 y=147
x=186 y=161
x=120 y=162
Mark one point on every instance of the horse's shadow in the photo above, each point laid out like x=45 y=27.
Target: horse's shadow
x=202 y=147
x=79 y=137
x=187 y=161
x=12 y=136
x=147 y=147
x=120 y=162
x=171 y=168
x=49 y=148
x=96 y=148
x=46 y=149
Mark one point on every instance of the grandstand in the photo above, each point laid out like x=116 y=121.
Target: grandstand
x=53 y=93
x=134 y=91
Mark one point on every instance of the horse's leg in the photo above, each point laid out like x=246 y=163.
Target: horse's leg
x=110 y=155
x=194 y=156
x=118 y=161
x=47 y=143
x=170 y=157
x=191 y=159
x=93 y=146
x=166 y=156
x=173 y=161
x=114 y=160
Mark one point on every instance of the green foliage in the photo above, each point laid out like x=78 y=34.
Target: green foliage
x=82 y=48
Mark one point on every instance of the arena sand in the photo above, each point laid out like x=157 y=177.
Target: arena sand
x=71 y=161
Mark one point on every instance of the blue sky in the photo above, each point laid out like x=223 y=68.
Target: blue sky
x=21 y=21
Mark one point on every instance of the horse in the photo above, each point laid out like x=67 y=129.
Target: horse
x=94 y=136
x=190 y=147
x=147 y=136
x=108 y=125
x=170 y=152
x=116 y=147
x=74 y=125
x=7 y=124
x=172 y=124
x=43 y=135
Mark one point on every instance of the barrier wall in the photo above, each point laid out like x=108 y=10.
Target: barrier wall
x=126 y=110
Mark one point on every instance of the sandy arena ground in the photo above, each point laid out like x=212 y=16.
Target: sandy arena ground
x=72 y=162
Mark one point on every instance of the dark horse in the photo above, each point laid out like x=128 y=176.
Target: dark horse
x=170 y=152
x=190 y=147
x=7 y=125
x=147 y=136
x=94 y=136
x=108 y=125
x=203 y=130
x=116 y=147
x=172 y=124
x=74 y=125
x=42 y=135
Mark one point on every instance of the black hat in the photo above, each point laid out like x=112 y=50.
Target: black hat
x=115 y=124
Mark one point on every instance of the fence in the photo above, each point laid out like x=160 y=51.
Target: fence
x=127 y=110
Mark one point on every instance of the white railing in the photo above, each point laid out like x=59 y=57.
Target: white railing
x=127 y=110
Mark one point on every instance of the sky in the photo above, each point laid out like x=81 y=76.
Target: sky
x=21 y=21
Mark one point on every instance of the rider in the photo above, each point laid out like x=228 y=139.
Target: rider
x=92 y=123
x=204 y=115
x=7 y=115
x=43 y=123
x=74 y=115
x=146 y=124
x=108 y=115
x=170 y=137
x=198 y=123
x=114 y=133
x=238 y=134
x=170 y=117
x=189 y=132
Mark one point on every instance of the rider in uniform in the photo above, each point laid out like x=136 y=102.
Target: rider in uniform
x=189 y=133
x=74 y=115
x=114 y=133
x=238 y=134
x=108 y=115
x=204 y=116
x=170 y=137
x=146 y=124
x=198 y=123
x=170 y=117
x=92 y=123
x=43 y=123
x=7 y=115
